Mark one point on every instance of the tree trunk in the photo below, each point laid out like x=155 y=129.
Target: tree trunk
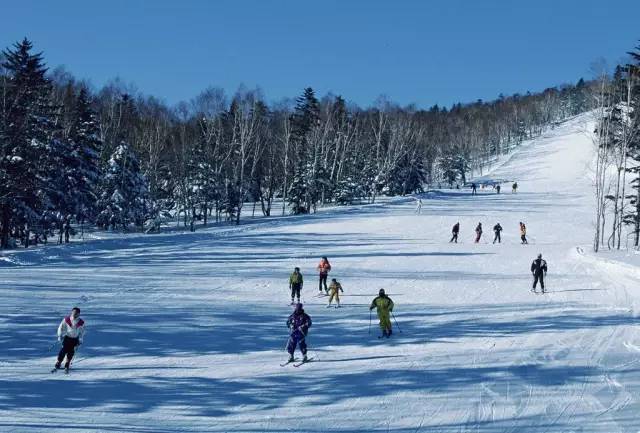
x=6 y=220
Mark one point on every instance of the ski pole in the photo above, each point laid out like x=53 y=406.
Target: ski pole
x=394 y=319
x=369 y=320
x=52 y=345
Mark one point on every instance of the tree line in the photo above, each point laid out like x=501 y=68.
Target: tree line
x=72 y=156
x=617 y=170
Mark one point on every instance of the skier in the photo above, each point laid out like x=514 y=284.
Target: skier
x=418 y=205
x=334 y=288
x=323 y=268
x=295 y=284
x=497 y=229
x=523 y=233
x=498 y=189
x=539 y=271
x=514 y=187
x=70 y=334
x=478 y=232
x=473 y=189
x=454 y=232
x=384 y=307
x=298 y=323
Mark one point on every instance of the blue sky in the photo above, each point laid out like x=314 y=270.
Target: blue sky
x=422 y=52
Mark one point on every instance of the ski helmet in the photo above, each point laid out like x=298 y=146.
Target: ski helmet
x=539 y=256
x=381 y=292
x=299 y=308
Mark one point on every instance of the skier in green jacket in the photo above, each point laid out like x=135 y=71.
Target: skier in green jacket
x=295 y=284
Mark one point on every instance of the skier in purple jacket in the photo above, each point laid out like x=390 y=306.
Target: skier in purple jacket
x=298 y=323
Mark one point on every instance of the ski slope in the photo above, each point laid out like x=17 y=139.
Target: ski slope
x=186 y=331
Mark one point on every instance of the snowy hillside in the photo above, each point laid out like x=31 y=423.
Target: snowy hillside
x=186 y=332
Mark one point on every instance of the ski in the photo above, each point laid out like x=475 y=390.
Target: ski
x=54 y=370
x=303 y=362
x=287 y=363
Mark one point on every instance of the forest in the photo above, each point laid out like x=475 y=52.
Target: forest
x=73 y=156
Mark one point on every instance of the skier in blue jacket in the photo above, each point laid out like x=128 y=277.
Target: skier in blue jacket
x=298 y=323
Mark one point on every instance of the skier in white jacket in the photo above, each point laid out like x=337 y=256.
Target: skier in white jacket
x=70 y=333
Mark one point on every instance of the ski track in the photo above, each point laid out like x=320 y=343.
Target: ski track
x=185 y=331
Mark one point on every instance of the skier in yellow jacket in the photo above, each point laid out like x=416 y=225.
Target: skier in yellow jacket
x=384 y=306
x=334 y=288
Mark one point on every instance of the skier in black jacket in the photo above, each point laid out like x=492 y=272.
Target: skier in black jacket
x=454 y=232
x=539 y=271
x=497 y=229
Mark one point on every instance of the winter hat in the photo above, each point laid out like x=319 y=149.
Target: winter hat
x=539 y=256
x=381 y=292
x=299 y=308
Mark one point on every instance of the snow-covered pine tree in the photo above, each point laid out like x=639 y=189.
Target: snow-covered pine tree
x=406 y=177
x=28 y=151
x=302 y=194
x=124 y=197
x=86 y=146
x=348 y=191
x=297 y=194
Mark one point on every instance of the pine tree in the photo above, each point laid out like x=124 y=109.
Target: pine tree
x=297 y=194
x=28 y=151
x=124 y=197
x=86 y=146
x=304 y=186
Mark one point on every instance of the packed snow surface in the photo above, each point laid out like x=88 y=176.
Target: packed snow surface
x=186 y=331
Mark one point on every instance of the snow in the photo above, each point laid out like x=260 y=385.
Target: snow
x=185 y=331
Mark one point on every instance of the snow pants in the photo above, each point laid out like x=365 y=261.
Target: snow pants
x=295 y=290
x=537 y=278
x=478 y=236
x=454 y=238
x=497 y=238
x=334 y=294
x=68 y=349
x=523 y=238
x=385 y=320
x=321 y=281
x=297 y=338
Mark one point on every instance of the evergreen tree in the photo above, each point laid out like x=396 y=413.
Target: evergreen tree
x=27 y=148
x=86 y=146
x=124 y=195
x=304 y=186
x=407 y=177
x=297 y=194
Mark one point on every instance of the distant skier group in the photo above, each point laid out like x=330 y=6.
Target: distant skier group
x=497 y=230
x=497 y=188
